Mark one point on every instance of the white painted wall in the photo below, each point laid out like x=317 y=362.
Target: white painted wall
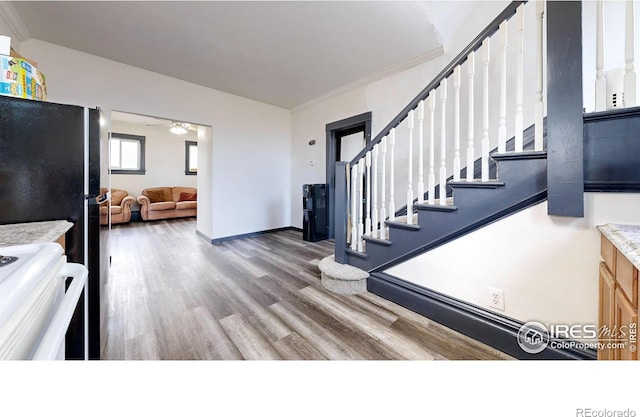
x=546 y=265
x=250 y=152
x=384 y=98
x=164 y=159
x=205 y=175
x=7 y=30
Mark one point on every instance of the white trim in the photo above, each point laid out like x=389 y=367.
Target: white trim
x=52 y=343
x=401 y=66
x=15 y=23
x=86 y=186
x=85 y=281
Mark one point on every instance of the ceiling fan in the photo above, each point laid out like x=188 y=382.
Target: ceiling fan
x=178 y=128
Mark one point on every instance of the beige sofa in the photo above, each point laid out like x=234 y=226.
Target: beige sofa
x=168 y=202
x=119 y=205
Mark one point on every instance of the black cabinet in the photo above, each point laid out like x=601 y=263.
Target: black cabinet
x=314 y=212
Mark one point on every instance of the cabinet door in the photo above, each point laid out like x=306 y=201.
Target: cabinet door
x=626 y=320
x=606 y=315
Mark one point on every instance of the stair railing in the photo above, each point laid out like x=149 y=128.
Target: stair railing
x=625 y=95
x=382 y=154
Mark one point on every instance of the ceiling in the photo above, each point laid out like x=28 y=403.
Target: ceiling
x=138 y=119
x=282 y=53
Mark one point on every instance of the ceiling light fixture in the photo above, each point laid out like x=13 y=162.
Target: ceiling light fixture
x=178 y=129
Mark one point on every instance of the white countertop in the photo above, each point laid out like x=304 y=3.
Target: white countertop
x=626 y=238
x=37 y=232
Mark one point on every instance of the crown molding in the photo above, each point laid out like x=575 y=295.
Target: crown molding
x=19 y=30
x=401 y=66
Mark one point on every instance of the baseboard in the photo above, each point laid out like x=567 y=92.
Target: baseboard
x=495 y=330
x=252 y=234
x=202 y=235
x=612 y=186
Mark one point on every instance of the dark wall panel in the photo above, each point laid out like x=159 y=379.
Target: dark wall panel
x=612 y=151
x=564 y=112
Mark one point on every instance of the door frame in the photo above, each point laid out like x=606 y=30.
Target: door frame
x=335 y=131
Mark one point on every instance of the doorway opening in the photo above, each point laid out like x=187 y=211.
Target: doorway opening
x=152 y=153
x=345 y=138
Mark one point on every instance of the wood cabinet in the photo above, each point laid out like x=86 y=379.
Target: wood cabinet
x=607 y=307
x=618 y=304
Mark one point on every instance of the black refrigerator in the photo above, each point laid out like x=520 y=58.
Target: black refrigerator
x=50 y=170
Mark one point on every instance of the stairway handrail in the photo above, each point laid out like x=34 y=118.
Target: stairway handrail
x=492 y=28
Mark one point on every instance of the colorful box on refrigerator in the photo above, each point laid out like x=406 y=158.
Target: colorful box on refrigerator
x=18 y=78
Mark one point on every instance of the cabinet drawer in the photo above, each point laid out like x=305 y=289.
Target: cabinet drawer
x=627 y=278
x=608 y=253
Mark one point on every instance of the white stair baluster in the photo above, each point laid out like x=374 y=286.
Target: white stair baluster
x=421 y=155
x=601 y=83
x=410 y=185
x=383 y=190
x=361 y=169
x=502 y=128
x=471 y=68
x=456 y=124
x=539 y=109
x=630 y=99
x=485 y=110
x=392 y=203
x=432 y=176
x=367 y=225
x=354 y=207
x=519 y=122
x=374 y=198
x=443 y=143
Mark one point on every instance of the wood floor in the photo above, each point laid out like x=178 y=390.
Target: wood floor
x=173 y=295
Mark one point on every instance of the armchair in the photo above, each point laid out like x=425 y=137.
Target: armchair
x=119 y=205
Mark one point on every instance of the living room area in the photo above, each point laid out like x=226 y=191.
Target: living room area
x=153 y=169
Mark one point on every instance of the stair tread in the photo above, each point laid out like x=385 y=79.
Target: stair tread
x=400 y=225
x=476 y=184
x=519 y=155
x=377 y=241
x=436 y=207
x=352 y=252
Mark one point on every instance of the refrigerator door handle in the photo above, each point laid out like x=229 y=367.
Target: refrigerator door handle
x=97 y=199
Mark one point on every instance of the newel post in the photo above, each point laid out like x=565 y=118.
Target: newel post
x=565 y=149
x=341 y=211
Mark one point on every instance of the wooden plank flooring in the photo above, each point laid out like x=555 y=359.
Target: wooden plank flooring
x=173 y=295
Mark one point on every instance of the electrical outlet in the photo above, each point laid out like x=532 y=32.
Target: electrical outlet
x=496 y=298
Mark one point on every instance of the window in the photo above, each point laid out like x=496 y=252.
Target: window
x=127 y=154
x=191 y=158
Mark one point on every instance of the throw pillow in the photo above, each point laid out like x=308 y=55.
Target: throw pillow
x=155 y=196
x=117 y=196
x=188 y=197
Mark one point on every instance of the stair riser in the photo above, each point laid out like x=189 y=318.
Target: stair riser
x=512 y=172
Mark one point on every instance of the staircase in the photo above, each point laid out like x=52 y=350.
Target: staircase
x=445 y=124
x=453 y=180
x=521 y=182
